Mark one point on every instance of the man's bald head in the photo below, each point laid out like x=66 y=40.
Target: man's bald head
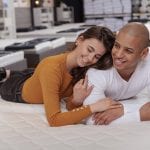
x=138 y=30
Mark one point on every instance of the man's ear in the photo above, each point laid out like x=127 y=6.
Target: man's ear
x=144 y=53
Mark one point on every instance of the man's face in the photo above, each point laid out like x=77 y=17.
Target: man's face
x=126 y=52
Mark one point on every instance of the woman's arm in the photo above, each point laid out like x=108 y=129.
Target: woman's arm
x=80 y=91
x=50 y=80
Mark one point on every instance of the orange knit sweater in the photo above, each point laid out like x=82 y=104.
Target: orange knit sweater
x=48 y=85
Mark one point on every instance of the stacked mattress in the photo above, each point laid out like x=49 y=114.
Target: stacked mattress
x=36 y=49
x=12 y=59
x=7 y=58
x=71 y=32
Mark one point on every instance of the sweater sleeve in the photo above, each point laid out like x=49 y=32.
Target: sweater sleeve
x=50 y=80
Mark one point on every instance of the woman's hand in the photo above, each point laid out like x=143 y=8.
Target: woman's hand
x=81 y=90
x=104 y=104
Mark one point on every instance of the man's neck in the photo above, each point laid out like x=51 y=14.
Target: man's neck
x=126 y=75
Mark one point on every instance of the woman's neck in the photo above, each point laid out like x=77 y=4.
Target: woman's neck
x=71 y=61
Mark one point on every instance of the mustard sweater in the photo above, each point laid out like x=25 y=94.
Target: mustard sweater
x=48 y=85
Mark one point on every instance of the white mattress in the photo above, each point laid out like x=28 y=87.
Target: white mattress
x=11 y=58
x=44 y=46
x=24 y=126
x=6 y=42
x=69 y=34
x=58 y=42
x=50 y=31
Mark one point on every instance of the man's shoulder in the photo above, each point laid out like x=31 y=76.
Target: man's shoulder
x=98 y=71
x=100 y=77
x=100 y=74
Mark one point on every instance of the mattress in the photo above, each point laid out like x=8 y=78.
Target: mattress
x=7 y=58
x=71 y=32
x=24 y=126
x=6 y=42
x=50 y=31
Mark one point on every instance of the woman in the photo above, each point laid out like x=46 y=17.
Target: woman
x=54 y=77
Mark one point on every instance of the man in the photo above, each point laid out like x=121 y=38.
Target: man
x=128 y=76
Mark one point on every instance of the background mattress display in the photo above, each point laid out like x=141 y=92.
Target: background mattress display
x=24 y=127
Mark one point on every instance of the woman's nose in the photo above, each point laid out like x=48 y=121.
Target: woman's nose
x=90 y=58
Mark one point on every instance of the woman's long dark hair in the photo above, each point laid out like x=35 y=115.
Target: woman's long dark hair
x=105 y=36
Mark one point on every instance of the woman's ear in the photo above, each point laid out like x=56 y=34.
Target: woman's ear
x=144 y=53
x=79 y=39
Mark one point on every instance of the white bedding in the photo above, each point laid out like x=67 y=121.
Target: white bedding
x=24 y=127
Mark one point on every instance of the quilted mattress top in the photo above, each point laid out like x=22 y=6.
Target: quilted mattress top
x=24 y=126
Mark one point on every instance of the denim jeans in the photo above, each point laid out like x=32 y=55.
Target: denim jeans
x=11 y=89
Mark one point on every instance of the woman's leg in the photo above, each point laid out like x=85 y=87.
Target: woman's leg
x=2 y=73
x=11 y=88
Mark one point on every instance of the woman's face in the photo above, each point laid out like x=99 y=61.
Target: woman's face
x=88 y=51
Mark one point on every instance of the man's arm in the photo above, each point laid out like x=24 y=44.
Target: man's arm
x=108 y=116
x=135 y=113
x=145 y=109
x=98 y=79
x=145 y=112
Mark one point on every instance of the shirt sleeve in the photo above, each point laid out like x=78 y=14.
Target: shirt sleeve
x=95 y=78
x=50 y=80
x=147 y=89
x=131 y=107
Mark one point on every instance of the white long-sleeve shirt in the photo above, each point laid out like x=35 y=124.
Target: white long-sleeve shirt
x=108 y=83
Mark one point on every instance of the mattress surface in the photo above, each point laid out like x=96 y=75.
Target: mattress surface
x=24 y=126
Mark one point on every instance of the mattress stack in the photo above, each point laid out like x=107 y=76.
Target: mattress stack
x=71 y=32
x=11 y=60
x=36 y=49
x=8 y=58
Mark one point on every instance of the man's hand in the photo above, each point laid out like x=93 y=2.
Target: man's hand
x=108 y=116
x=81 y=90
x=145 y=112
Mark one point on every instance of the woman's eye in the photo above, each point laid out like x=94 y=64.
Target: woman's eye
x=89 y=50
